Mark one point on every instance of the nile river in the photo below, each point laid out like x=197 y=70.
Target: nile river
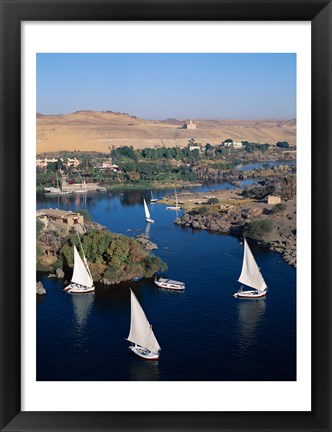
x=204 y=333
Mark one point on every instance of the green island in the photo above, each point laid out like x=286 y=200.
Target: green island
x=112 y=258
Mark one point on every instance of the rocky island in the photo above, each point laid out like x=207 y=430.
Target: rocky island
x=112 y=258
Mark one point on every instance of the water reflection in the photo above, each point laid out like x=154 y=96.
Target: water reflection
x=132 y=197
x=147 y=231
x=82 y=304
x=68 y=202
x=250 y=314
x=144 y=370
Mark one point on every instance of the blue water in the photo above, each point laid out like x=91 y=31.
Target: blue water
x=204 y=333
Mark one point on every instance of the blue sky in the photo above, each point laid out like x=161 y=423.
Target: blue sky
x=161 y=86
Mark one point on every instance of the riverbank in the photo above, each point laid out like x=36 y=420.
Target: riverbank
x=232 y=213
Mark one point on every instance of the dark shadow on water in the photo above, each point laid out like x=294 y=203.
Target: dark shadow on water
x=144 y=370
x=250 y=314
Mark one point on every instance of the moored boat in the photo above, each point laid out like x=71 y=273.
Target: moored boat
x=169 y=284
x=176 y=207
x=153 y=200
x=137 y=278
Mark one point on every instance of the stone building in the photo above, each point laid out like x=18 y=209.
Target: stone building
x=274 y=199
x=189 y=125
x=61 y=218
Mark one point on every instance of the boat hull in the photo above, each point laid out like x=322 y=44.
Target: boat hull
x=144 y=353
x=78 y=289
x=173 y=208
x=250 y=294
x=137 y=279
x=170 y=285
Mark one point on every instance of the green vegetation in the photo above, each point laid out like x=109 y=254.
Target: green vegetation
x=149 y=165
x=134 y=172
x=213 y=201
x=282 y=144
x=45 y=180
x=258 y=229
x=114 y=257
x=39 y=227
x=258 y=191
x=251 y=147
x=85 y=214
x=200 y=210
x=278 y=208
x=127 y=154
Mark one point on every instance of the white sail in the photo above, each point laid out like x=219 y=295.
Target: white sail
x=250 y=274
x=81 y=275
x=140 y=330
x=147 y=213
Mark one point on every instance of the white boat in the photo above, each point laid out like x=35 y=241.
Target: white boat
x=147 y=213
x=81 y=281
x=176 y=207
x=101 y=189
x=169 y=284
x=251 y=276
x=144 y=342
x=53 y=190
x=153 y=200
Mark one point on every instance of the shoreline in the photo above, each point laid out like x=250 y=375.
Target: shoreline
x=235 y=215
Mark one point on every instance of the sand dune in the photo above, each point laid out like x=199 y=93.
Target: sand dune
x=98 y=131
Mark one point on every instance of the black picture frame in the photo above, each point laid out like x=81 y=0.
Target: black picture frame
x=319 y=13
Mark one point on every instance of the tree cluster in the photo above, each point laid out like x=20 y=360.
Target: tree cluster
x=114 y=257
x=257 y=229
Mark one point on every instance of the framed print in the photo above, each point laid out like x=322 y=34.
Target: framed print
x=200 y=131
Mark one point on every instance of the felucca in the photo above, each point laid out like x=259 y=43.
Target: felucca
x=251 y=276
x=81 y=281
x=153 y=200
x=147 y=213
x=176 y=207
x=144 y=342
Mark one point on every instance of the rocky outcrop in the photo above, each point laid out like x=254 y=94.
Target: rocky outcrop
x=287 y=248
x=40 y=290
x=231 y=220
x=221 y=221
x=60 y=274
x=146 y=243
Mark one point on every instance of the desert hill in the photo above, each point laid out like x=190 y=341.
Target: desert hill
x=102 y=130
